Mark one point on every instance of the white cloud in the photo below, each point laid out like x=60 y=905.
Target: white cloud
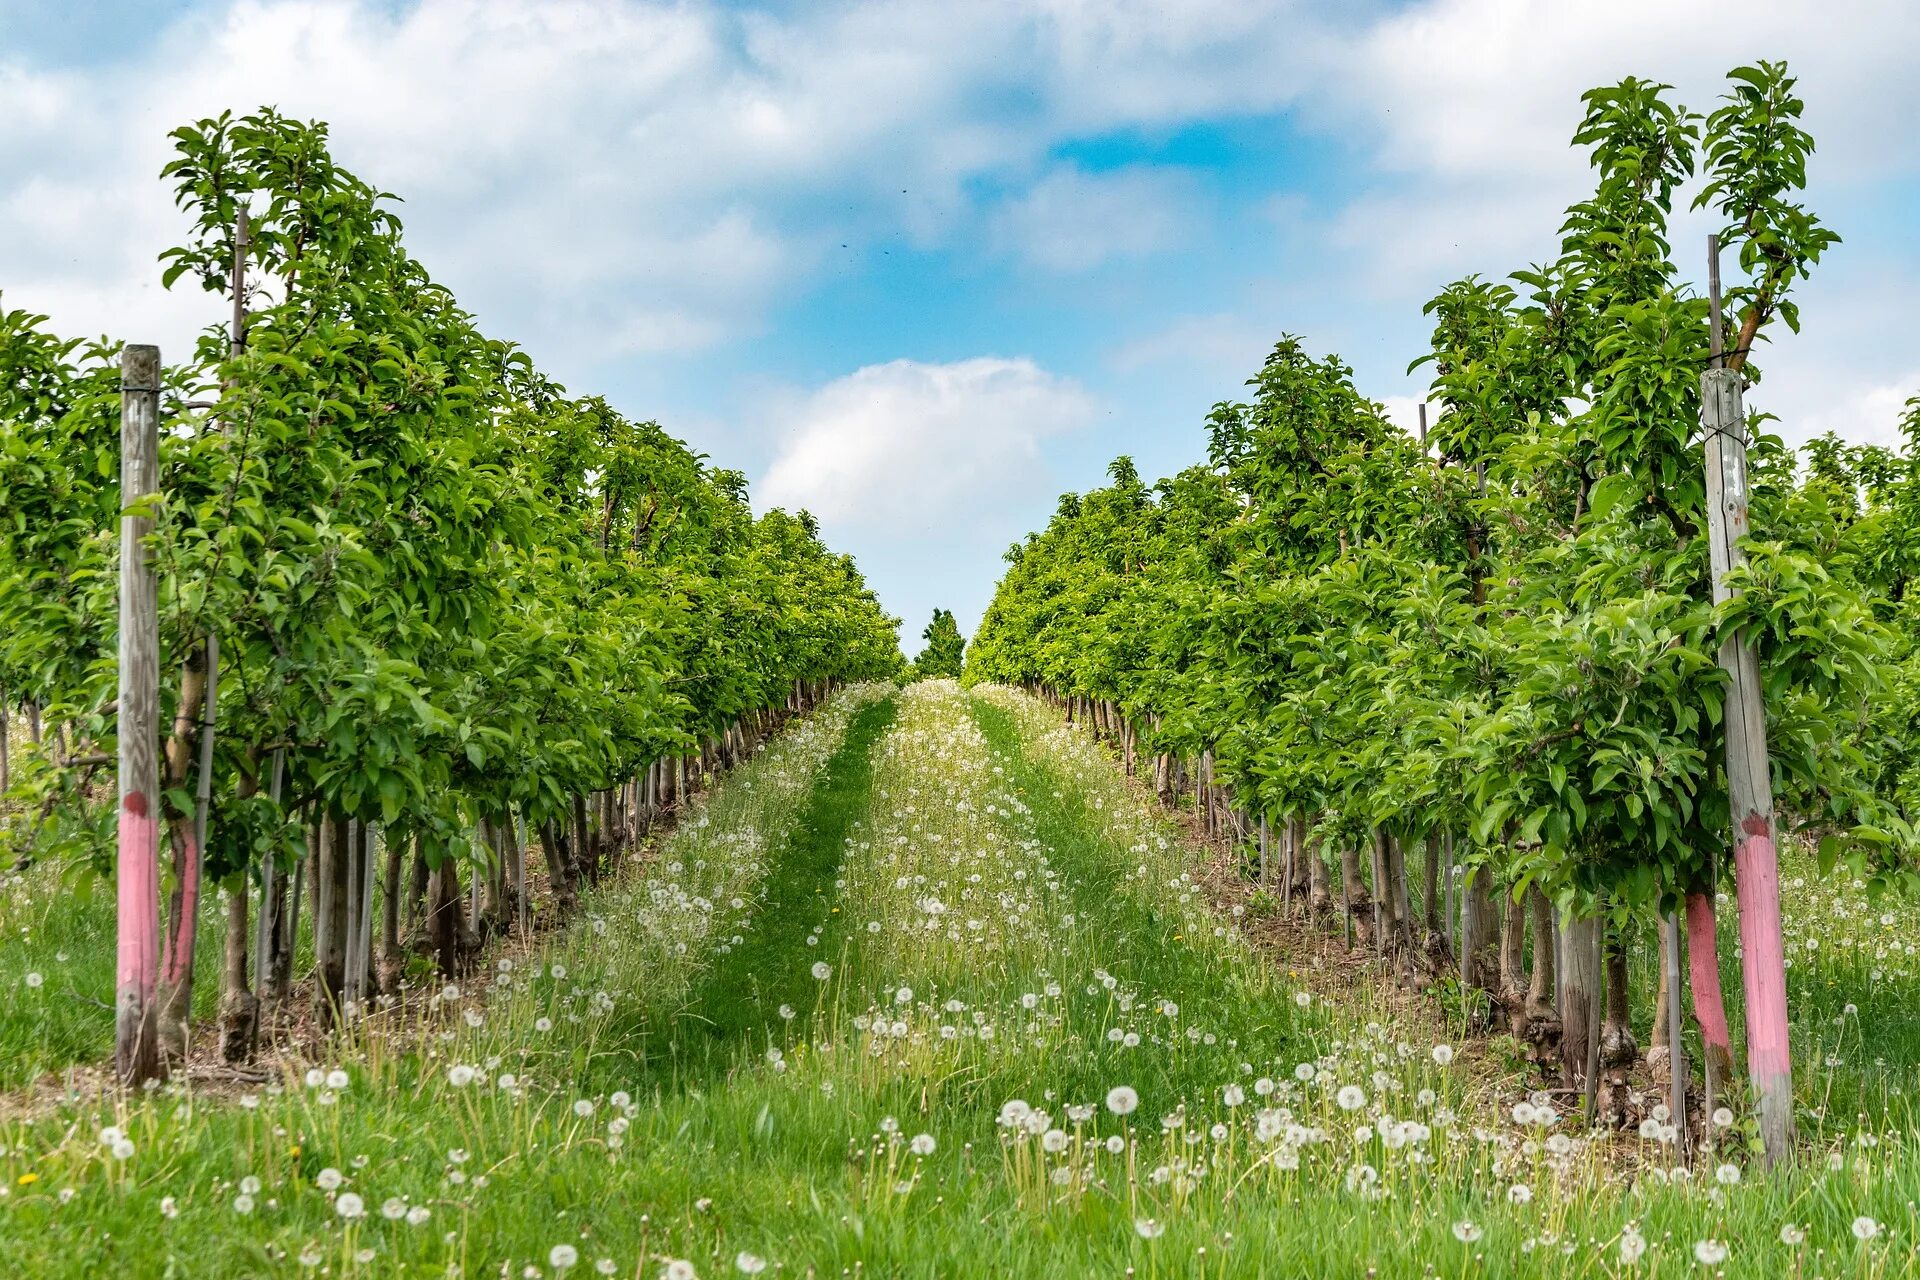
x=914 y=449
x=1071 y=220
x=603 y=177
x=1473 y=103
x=1863 y=411
x=1404 y=412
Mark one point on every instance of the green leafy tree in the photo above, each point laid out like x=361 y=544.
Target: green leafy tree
x=945 y=651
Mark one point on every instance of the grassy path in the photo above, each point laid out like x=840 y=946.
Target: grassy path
x=743 y=995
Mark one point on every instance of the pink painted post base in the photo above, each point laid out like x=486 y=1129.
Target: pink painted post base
x=1769 y=1060
x=137 y=894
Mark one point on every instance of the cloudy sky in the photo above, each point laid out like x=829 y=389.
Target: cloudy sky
x=923 y=266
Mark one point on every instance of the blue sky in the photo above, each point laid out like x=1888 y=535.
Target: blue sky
x=921 y=267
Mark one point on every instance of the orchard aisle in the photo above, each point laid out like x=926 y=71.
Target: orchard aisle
x=927 y=990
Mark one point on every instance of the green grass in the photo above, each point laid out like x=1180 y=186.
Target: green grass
x=742 y=993
x=57 y=972
x=1001 y=919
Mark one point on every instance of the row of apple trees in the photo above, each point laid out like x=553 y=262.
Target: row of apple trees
x=419 y=607
x=1495 y=646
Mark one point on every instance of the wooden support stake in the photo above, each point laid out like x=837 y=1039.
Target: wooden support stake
x=263 y=937
x=1749 y=784
x=137 y=871
x=1676 y=1026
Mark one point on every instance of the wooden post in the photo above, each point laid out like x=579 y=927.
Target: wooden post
x=350 y=956
x=370 y=838
x=1676 y=1027
x=1289 y=857
x=265 y=924
x=1749 y=785
x=137 y=873
x=6 y=742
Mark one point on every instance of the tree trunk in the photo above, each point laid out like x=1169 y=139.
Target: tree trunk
x=1353 y=894
x=1319 y=893
x=1580 y=1000
x=584 y=868
x=330 y=922
x=287 y=923
x=1402 y=905
x=1709 y=1007
x=445 y=916
x=393 y=961
x=493 y=907
x=419 y=881
x=1539 y=1028
x=175 y=992
x=1513 y=960
x=239 y=1008
x=559 y=875
x=1618 y=1050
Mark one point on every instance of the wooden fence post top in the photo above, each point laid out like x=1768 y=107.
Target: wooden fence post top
x=139 y=367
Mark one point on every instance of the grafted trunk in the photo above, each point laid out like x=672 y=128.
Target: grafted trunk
x=1618 y=1050
x=1539 y=1025
x=1481 y=934
x=1513 y=958
x=1354 y=898
x=239 y=1008
x=559 y=875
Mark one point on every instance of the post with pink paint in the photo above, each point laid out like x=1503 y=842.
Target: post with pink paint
x=1749 y=782
x=136 y=1041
